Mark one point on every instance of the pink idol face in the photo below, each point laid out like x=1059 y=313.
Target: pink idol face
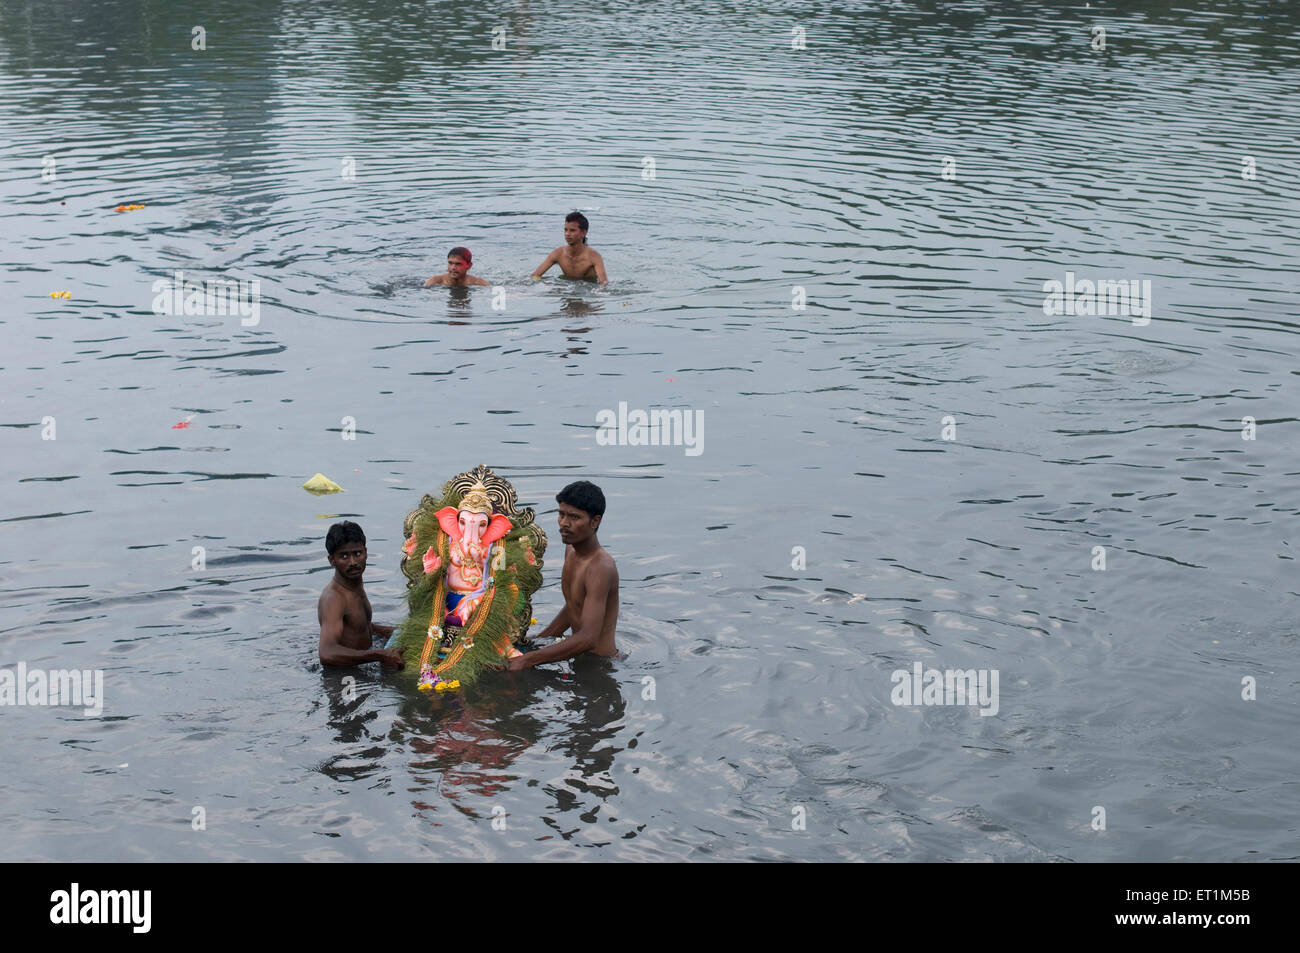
x=472 y=525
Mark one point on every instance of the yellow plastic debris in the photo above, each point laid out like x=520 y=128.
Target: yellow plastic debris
x=60 y=294
x=320 y=484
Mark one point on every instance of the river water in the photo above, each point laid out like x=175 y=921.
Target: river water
x=828 y=230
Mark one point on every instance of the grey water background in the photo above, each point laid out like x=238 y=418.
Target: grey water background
x=774 y=168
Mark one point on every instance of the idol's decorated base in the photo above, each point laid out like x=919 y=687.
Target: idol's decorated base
x=472 y=560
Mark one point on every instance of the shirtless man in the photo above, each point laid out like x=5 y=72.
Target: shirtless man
x=457 y=276
x=346 y=628
x=575 y=259
x=589 y=583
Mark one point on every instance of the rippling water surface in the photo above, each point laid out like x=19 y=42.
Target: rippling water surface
x=828 y=535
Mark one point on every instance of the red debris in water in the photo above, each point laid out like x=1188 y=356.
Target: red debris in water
x=181 y=426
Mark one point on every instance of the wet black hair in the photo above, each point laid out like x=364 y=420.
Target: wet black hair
x=342 y=533
x=584 y=495
x=581 y=220
x=460 y=251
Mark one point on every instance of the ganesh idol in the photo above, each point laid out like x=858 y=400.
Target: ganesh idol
x=469 y=591
x=473 y=528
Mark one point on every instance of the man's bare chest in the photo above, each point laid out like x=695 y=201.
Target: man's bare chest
x=572 y=585
x=358 y=612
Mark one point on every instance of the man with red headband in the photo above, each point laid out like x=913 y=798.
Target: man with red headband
x=457 y=276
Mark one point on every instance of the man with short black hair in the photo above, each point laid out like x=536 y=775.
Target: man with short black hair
x=589 y=583
x=575 y=259
x=346 y=626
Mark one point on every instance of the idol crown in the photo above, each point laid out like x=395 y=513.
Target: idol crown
x=476 y=500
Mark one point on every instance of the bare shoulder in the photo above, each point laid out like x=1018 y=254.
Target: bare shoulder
x=330 y=598
x=435 y=280
x=604 y=569
x=595 y=254
x=476 y=280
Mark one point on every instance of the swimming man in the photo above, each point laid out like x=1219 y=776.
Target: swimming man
x=457 y=275
x=346 y=627
x=589 y=583
x=575 y=259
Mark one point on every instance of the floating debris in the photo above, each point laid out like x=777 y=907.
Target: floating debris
x=320 y=484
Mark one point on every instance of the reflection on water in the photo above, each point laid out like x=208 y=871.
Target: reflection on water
x=917 y=465
x=455 y=744
x=579 y=308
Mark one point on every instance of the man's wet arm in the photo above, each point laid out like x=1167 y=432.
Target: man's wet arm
x=551 y=259
x=557 y=626
x=331 y=626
